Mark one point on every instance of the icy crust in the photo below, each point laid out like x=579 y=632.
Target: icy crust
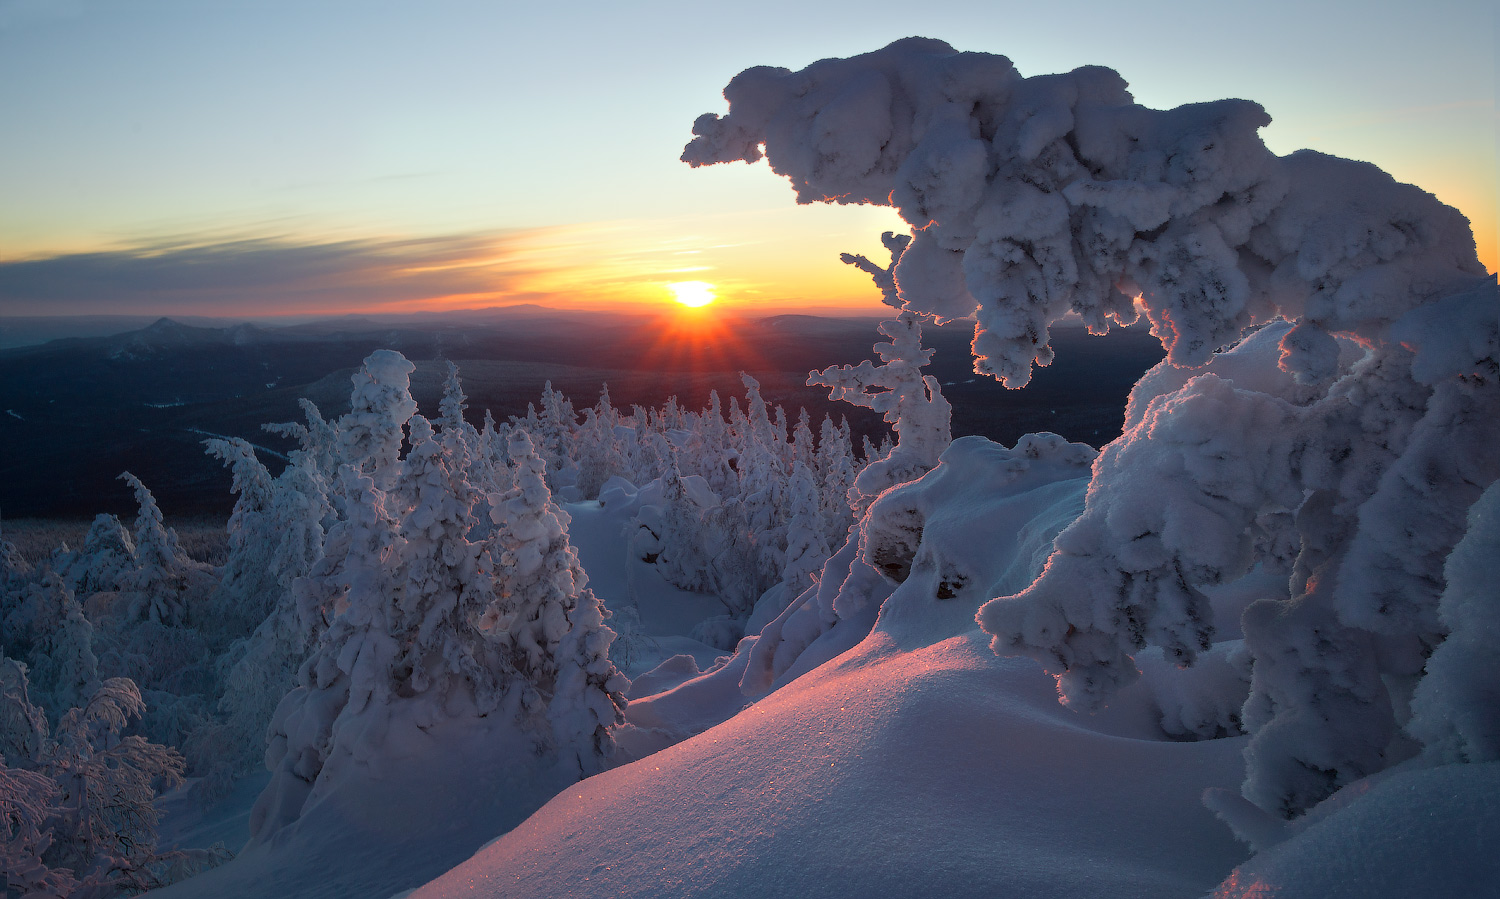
x=1030 y=197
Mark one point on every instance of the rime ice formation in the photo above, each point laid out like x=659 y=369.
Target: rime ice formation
x=1030 y=197
x=1349 y=454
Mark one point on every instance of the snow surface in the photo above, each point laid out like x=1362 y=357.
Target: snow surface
x=1412 y=833
x=432 y=803
x=941 y=771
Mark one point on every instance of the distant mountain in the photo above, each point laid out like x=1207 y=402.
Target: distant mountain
x=76 y=412
x=31 y=330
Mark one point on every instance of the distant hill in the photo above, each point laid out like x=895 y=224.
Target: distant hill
x=76 y=412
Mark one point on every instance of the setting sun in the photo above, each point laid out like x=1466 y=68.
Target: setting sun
x=692 y=293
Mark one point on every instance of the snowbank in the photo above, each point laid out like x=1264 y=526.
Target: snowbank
x=427 y=808
x=1413 y=833
x=943 y=771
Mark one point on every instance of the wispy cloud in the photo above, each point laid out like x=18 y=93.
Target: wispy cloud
x=280 y=272
x=271 y=276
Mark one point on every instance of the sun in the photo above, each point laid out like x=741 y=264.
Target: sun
x=692 y=293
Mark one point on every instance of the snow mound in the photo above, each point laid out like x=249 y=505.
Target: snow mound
x=943 y=771
x=1413 y=833
x=428 y=807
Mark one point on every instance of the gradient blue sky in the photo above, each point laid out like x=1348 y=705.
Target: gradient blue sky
x=181 y=157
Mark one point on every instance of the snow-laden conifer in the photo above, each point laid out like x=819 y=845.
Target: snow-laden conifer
x=65 y=669
x=458 y=436
x=836 y=469
x=76 y=813
x=553 y=621
x=248 y=585
x=1363 y=436
x=442 y=586
x=318 y=440
x=910 y=402
x=14 y=570
x=347 y=674
x=676 y=526
x=105 y=560
x=806 y=533
x=370 y=434
x=260 y=668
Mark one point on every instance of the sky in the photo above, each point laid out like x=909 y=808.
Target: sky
x=198 y=157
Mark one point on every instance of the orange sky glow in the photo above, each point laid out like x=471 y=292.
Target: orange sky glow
x=204 y=159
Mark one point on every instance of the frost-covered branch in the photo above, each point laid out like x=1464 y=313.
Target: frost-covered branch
x=1341 y=443
x=1031 y=197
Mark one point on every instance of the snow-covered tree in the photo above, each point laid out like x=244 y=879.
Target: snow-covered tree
x=675 y=529
x=588 y=695
x=277 y=545
x=1367 y=432
x=806 y=539
x=65 y=669
x=458 y=436
x=552 y=431
x=421 y=624
x=23 y=725
x=348 y=673
x=443 y=589
x=165 y=579
x=553 y=621
x=105 y=560
x=913 y=404
x=76 y=813
x=318 y=439
x=597 y=448
x=370 y=434
x=836 y=469
x=1454 y=710
x=14 y=570
x=248 y=585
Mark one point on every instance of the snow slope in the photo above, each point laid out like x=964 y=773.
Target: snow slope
x=943 y=771
x=1428 y=833
x=388 y=830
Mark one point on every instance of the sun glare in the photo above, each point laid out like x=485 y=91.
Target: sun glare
x=692 y=293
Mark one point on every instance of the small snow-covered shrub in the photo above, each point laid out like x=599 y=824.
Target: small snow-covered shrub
x=76 y=813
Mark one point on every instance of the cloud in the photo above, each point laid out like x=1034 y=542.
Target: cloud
x=271 y=276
